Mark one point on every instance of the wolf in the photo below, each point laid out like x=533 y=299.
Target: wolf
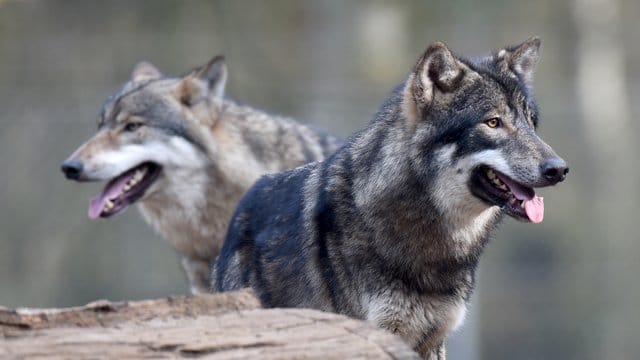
x=391 y=226
x=186 y=154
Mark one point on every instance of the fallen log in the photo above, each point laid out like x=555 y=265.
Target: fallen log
x=220 y=326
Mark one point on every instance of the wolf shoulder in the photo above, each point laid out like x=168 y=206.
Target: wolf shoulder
x=268 y=218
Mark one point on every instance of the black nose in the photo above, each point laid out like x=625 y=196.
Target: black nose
x=72 y=169
x=554 y=170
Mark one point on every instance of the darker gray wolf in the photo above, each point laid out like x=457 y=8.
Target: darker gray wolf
x=186 y=155
x=391 y=226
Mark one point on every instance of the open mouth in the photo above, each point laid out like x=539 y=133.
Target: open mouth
x=517 y=200
x=124 y=190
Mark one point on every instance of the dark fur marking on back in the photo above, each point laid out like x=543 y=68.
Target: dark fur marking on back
x=325 y=222
x=307 y=153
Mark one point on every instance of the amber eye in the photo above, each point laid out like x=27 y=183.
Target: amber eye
x=132 y=126
x=493 y=122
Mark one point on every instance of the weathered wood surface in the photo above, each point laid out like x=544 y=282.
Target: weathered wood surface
x=221 y=326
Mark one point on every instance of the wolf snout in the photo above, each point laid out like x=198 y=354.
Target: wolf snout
x=72 y=169
x=554 y=170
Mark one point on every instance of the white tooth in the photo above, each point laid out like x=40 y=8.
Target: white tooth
x=126 y=187
x=491 y=174
x=108 y=205
x=503 y=187
x=522 y=204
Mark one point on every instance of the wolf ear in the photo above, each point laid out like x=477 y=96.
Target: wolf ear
x=214 y=74
x=437 y=70
x=145 y=71
x=522 y=59
x=208 y=80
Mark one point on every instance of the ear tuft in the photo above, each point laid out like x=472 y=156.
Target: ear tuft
x=145 y=71
x=524 y=58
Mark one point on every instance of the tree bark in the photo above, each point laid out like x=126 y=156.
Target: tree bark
x=220 y=326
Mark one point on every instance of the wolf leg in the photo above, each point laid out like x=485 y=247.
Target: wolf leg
x=197 y=272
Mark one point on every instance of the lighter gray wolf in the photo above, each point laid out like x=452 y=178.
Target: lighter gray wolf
x=391 y=226
x=186 y=155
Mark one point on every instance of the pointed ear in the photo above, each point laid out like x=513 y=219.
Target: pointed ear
x=145 y=71
x=522 y=59
x=437 y=70
x=214 y=74
x=208 y=80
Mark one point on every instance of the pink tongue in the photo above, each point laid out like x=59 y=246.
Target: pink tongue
x=535 y=209
x=111 y=191
x=533 y=204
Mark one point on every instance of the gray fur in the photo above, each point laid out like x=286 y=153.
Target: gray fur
x=390 y=227
x=211 y=151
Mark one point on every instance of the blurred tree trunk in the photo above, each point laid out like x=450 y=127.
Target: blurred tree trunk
x=602 y=90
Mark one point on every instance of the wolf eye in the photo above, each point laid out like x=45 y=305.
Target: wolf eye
x=493 y=122
x=132 y=126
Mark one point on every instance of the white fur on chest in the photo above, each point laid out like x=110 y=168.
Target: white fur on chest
x=411 y=317
x=176 y=212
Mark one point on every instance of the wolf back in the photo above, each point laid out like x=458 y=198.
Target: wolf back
x=186 y=155
x=391 y=226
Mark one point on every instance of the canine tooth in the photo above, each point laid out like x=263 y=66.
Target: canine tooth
x=126 y=187
x=108 y=205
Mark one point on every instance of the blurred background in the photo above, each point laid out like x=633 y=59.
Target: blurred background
x=568 y=288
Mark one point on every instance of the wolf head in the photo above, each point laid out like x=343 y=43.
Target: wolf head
x=478 y=119
x=148 y=132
